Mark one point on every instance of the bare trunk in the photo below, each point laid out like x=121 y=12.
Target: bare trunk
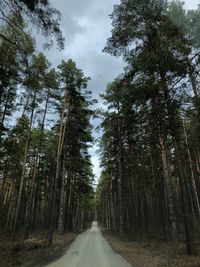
x=168 y=190
x=119 y=183
x=55 y=181
x=35 y=171
x=185 y=190
x=187 y=205
x=23 y=173
x=62 y=203
x=193 y=184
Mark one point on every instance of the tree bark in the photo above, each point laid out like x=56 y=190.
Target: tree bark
x=23 y=171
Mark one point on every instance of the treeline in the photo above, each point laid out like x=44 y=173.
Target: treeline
x=46 y=179
x=150 y=148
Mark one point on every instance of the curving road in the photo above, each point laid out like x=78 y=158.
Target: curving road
x=90 y=249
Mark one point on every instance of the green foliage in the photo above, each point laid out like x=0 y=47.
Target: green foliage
x=145 y=152
x=29 y=143
x=39 y=13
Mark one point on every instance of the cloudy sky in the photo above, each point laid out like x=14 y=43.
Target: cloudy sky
x=86 y=26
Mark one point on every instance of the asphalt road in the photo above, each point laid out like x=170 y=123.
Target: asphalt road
x=90 y=249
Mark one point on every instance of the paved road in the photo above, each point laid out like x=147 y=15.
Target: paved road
x=90 y=249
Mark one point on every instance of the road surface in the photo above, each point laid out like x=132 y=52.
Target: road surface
x=90 y=249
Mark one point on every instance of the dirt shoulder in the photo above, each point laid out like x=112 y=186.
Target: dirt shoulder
x=34 y=252
x=151 y=253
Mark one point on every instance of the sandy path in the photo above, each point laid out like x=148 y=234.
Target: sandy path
x=90 y=249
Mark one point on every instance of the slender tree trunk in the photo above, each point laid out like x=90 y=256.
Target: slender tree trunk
x=23 y=172
x=168 y=190
x=10 y=210
x=61 y=216
x=167 y=178
x=55 y=181
x=35 y=171
x=193 y=184
x=187 y=203
x=120 y=178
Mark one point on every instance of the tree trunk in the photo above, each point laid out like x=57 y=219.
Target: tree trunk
x=55 y=180
x=193 y=184
x=119 y=182
x=61 y=216
x=23 y=172
x=187 y=203
x=168 y=190
x=35 y=171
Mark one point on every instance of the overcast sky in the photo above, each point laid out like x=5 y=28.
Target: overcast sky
x=86 y=26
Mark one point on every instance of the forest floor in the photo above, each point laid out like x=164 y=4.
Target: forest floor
x=152 y=253
x=34 y=251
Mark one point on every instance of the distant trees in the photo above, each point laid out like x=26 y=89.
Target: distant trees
x=46 y=179
x=150 y=178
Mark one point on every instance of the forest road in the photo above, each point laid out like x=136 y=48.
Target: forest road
x=90 y=249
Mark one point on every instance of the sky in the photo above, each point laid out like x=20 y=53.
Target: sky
x=86 y=26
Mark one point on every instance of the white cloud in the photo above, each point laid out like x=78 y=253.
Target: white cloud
x=86 y=26
x=191 y=4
